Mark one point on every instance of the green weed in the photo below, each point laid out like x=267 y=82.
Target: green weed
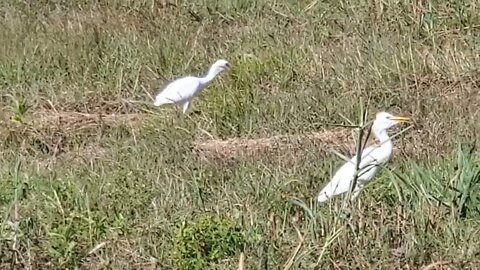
x=207 y=240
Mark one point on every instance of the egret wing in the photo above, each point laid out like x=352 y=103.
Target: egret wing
x=373 y=158
x=178 y=91
x=343 y=178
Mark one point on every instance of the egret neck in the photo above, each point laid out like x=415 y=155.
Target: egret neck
x=212 y=73
x=382 y=136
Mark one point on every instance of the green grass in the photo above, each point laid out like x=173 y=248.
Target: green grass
x=81 y=191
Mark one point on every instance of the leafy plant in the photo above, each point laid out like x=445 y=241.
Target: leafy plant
x=467 y=183
x=19 y=110
x=454 y=185
x=207 y=240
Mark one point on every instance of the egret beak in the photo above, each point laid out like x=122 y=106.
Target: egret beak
x=401 y=119
x=228 y=65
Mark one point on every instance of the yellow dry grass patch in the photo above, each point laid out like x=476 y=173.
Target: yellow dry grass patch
x=327 y=142
x=338 y=138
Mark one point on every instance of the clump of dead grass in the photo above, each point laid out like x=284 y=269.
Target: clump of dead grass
x=340 y=140
x=337 y=138
x=54 y=132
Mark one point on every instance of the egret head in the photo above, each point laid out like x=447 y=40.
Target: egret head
x=220 y=65
x=385 y=121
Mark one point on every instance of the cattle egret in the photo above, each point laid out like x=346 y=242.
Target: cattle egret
x=181 y=91
x=373 y=159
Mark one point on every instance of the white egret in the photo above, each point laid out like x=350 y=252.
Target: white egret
x=373 y=159
x=181 y=91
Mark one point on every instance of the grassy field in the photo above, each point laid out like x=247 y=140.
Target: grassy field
x=93 y=176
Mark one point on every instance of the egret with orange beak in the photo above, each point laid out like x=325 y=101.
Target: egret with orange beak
x=373 y=159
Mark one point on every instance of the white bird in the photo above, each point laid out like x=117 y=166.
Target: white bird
x=373 y=159
x=181 y=91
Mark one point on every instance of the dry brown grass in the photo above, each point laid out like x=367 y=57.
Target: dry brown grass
x=76 y=121
x=417 y=144
x=54 y=132
x=340 y=139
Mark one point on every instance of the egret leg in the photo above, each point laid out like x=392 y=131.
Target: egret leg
x=356 y=192
x=185 y=106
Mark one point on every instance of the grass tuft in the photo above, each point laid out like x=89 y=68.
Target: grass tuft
x=206 y=241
